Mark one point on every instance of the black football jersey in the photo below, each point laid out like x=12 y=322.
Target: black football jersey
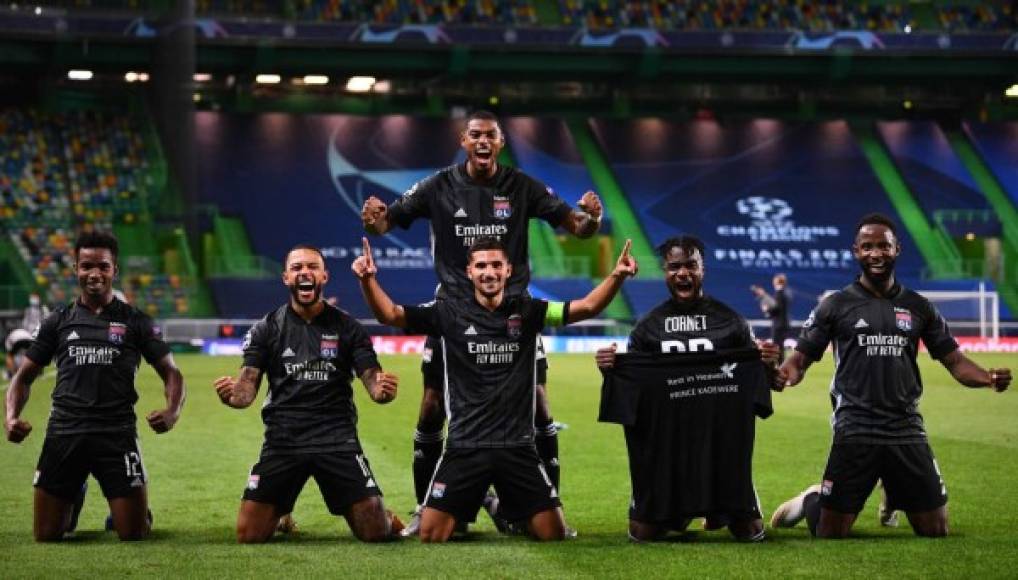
x=876 y=387
x=462 y=210
x=310 y=367
x=97 y=359
x=690 y=427
x=701 y=325
x=489 y=366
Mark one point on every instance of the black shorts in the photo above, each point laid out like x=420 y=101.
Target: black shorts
x=464 y=475
x=910 y=474
x=114 y=459
x=434 y=371
x=344 y=478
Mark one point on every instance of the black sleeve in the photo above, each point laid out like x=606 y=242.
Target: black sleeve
x=150 y=340
x=257 y=346
x=45 y=340
x=639 y=341
x=763 y=406
x=620 y=392
x=817 y=330
x=535 y=313
x=414 y=204
x=543 y=203
x=362 y=352
x=424 y=319
x=936 y=335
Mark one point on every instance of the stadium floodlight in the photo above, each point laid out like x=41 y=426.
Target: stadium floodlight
x=360 y=84
x=131 y=76
x=143 y=77
x=268 y=79
x=1012 y=91
x=202 y=77
x=79 y=75
x=316 y=80
x=382 y=86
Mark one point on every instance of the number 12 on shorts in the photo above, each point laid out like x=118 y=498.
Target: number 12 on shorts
x=132 y=464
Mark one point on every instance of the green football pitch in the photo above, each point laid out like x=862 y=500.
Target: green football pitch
x=198 y=472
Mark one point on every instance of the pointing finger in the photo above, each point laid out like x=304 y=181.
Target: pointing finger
x=625 y=249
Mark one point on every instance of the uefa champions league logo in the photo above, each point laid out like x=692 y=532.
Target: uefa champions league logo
x=767 y=209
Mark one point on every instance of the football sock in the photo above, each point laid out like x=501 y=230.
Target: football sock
x=811 y=505
x=547 y=449
x=427 y=451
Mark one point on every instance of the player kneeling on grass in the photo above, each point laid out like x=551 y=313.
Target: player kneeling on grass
x=310 y=351
x=490 y=356
x=98 y=342
x=875 y=325
x=689 y=322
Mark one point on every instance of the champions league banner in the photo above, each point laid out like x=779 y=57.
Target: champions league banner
x=303 y=179
x=765 y=196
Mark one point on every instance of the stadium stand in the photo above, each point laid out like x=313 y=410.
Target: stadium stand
x=981 y=16
x=63 y=172
x=736 y=14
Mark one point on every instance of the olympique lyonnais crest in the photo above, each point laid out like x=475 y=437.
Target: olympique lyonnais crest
x=514 y=326
x=502 y=208
x=903 y=318
x=117 y=332
x=330 y=347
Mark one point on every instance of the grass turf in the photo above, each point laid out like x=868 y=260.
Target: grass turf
x=199 y=469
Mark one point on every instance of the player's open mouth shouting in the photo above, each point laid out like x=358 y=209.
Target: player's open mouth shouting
x=306 y=291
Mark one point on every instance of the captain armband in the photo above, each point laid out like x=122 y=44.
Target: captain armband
x=558 y=314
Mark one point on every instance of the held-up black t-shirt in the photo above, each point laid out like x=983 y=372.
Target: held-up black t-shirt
x=876 y=385
x=701 y=325
x=690 y=425
x=97 y=359
x=462 y=209
x=489 y=365
x=310 y=366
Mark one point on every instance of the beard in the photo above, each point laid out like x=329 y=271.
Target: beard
x=315 y=296
x=878 y=276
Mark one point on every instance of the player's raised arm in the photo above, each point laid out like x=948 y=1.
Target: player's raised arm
x=239 y=392
x=592 y=304
x=967 y=372
x=17 y=396
x=384 y=309
x=162 y=420
x=584 y=221
x=375 y=216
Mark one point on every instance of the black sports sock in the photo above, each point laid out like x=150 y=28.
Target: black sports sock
x=427 y=451
x=811 y=505
x=547 y=449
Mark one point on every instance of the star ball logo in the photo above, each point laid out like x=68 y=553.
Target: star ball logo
x=769 y=209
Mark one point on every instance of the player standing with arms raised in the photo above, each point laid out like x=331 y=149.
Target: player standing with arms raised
x=479 y=198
